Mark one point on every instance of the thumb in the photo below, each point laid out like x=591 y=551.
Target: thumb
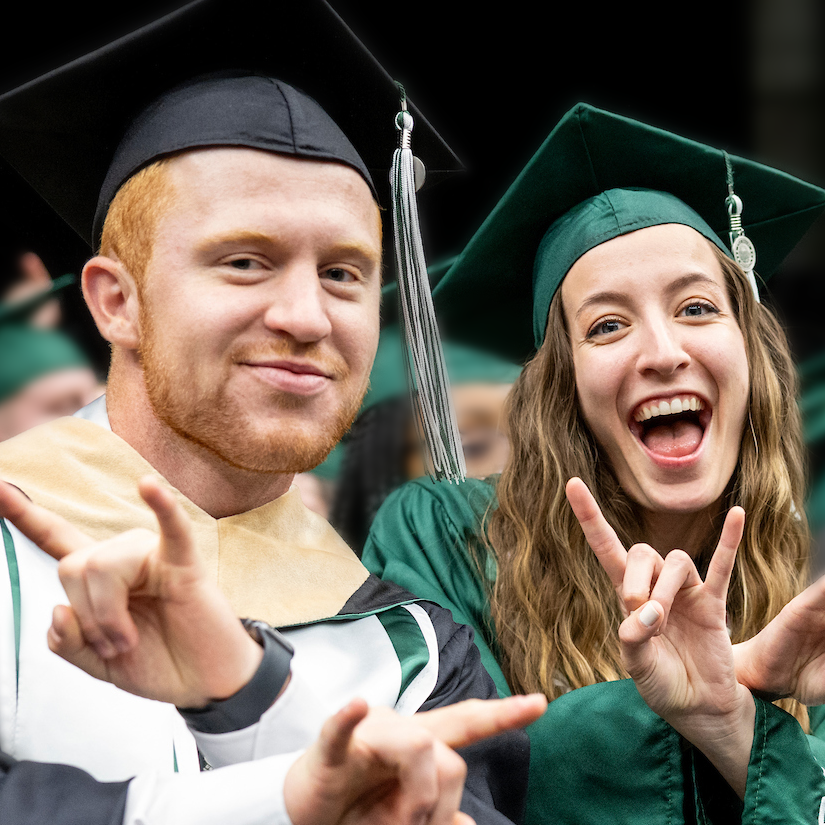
x=65 y=638
x=177 y=544
x=635 y=635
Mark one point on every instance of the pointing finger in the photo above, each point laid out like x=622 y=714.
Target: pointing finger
x=51 y=533
x=470 y=721
x=600 y=535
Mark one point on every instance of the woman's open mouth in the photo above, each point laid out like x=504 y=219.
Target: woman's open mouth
x=671 y=428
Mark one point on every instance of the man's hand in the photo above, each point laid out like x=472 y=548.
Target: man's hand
x=374 y=766
x=674 y=641
x=787 y=658
x=144 y=614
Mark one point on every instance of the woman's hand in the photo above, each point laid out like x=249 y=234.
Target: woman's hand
x=674 y=639
x=787 y=658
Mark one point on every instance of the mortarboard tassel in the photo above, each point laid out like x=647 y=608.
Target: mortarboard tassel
x=426 y=370
x=744 y=252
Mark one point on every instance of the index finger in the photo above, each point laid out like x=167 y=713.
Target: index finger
x=472 y=720
x=177 y=542
x=600 y=535
x=51 y=533
x=721 y=564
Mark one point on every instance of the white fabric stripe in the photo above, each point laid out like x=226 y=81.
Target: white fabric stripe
x=64 y=715
x=423 y=685
x=8 y=666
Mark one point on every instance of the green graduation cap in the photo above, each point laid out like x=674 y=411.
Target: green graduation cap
x=17 y=311
x=465 y=364
x=597 y=176
x=27 y=352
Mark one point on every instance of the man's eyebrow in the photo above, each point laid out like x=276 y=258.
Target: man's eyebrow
x=356 y=249
x=346 y=249
x=231 y=238
x=609 y=296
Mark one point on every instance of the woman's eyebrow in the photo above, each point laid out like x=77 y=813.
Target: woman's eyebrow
x=607 y=296
x=611 y=296
x=690 y=279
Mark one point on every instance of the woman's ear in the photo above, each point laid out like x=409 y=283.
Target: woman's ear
x=112 y=298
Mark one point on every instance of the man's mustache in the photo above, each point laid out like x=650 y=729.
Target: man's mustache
x=316 y=356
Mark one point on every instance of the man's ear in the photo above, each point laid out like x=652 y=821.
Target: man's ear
x=112 y=298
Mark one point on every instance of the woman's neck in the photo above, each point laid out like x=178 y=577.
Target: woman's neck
x=690 y=532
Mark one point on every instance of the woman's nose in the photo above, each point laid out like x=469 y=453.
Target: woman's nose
x=662 y=350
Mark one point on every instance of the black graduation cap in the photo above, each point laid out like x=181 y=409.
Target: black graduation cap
x=61 y=131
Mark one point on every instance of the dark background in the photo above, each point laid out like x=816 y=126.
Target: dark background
x=744 y=76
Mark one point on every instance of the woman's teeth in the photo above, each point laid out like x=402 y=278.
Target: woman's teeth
x=672 y=407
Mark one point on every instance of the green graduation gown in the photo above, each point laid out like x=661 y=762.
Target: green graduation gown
x=598 y=754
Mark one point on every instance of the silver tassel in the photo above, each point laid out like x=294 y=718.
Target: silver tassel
x=744 y=252
x=426 y=370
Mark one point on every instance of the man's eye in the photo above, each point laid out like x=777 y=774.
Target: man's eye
x=245 y=264
x=338 y=275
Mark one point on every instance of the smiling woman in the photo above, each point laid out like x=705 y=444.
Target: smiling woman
x=658 y=379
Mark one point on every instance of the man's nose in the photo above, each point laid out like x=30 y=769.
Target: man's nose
x=298 y=305
x=662 y=349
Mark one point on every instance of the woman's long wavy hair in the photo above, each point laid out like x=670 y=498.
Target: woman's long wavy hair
x=554 y=610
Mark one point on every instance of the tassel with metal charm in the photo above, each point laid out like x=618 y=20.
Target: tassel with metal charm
x=426 y=370
x=744 y=252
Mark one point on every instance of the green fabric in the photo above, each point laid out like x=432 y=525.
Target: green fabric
x=465 y=365
x=28 y=353
x=14 y=576
x=598 y=754
x=407 y=641
x=601 y=218
x=590 y=151
x=21 y=311
x=330 y=467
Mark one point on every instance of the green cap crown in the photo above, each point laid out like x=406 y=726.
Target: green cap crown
x=597 y=176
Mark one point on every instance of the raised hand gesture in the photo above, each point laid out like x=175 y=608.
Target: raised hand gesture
x=144 y=615
x=787 y=657
x=374 y=766
x=674 y=639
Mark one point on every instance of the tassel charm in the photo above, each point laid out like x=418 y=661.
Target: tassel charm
x=744 y=252
x=426 y=370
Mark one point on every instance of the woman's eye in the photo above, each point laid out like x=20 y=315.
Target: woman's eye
x=604 y=327
x=698 y=308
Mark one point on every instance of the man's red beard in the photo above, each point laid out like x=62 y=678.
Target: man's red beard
x=219 y=423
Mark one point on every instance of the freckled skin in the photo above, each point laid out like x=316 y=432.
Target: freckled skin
x=663 y=326
x=260 y=257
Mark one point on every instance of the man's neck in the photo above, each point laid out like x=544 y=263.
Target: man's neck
x=206 y=480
